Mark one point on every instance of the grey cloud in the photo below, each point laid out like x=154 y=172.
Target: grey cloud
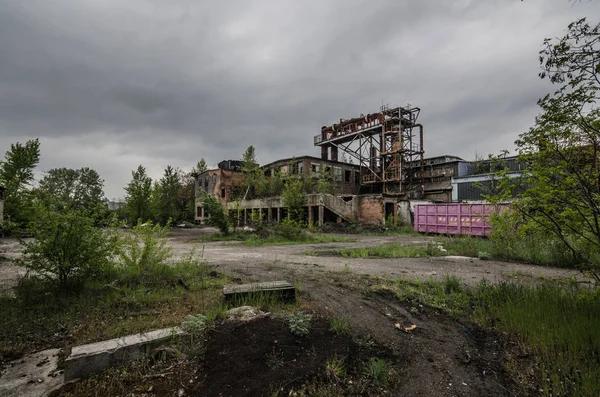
x=118 y=82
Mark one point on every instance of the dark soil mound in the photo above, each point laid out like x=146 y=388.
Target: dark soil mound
x=262 y=357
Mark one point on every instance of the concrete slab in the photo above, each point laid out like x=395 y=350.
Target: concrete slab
x=34 y=375
x=280 y=289
x=87 y=360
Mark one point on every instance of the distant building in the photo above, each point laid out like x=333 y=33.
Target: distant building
x=218 y=182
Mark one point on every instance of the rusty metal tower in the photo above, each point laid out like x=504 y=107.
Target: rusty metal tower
x=385 y=144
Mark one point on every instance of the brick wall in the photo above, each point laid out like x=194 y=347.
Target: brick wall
x=371 y=210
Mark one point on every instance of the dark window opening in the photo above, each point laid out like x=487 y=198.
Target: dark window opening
x=348 y=176
x=357 y=177
x=223 y=193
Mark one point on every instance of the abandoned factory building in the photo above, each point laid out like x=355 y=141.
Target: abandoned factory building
x=382 y=176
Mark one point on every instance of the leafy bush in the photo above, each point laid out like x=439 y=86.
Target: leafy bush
x=68 y=249
x=290 y=229
x=144 y=249
x=299 y=323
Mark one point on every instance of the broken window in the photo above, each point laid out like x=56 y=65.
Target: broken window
x=337 y=174
x=315 y=169
x=206 y=183
x=223 y=193
x=299 y=167
x=348 y=176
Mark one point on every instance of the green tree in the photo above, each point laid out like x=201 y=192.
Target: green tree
x=186 y=195
x=167 y=188
x=199 y=168
x=217 y=216
x=293 y=199
x=560 y=192
x=16 y=175
x=78 y=189
x=138 y=196
x=255 y=182
x=324 y=180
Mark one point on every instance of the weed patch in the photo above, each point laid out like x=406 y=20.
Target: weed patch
x=392 y=251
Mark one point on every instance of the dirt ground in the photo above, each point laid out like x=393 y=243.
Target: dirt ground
x=441 y=357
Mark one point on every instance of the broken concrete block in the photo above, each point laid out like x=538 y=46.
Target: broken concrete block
x=278 y=289
x=87 y=360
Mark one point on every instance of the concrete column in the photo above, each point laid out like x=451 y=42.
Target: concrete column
x=321 y=215
x=278 y=214
x=269 y=215
x=245 y=216
x=310 y=215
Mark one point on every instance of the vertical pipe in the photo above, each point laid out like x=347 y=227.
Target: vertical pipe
x=421 y=151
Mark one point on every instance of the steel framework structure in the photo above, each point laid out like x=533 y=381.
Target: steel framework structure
x=384 y=144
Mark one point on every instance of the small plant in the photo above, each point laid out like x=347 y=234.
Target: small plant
x=378 y=371
x=339 y=325
x=484 y=255
x=346 y=268
x=299 y=323
x=452 y=284
x=274 y=360
x=195 y=326
x=335 y=367
x=366 y=342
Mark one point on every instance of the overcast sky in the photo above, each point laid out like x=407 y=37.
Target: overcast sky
x=111 y=84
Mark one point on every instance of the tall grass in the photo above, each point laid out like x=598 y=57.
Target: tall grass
x=559 y=324
x=533 y=248
x=394 y=250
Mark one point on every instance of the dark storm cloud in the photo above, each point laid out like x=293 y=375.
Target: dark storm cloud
x=114 y=83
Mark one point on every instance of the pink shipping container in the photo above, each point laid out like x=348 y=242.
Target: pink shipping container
x=470 y=219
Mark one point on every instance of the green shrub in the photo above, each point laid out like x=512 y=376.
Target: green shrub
x=144 y=250
x=299 y=323
x=218 y=217
x=290 y=229
x=67 y=248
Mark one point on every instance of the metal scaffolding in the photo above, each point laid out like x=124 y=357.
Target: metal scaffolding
x=385 y=145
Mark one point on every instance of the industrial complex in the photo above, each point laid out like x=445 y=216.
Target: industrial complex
x=377 y=169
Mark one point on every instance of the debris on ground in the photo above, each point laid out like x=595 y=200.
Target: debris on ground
x=245 y=313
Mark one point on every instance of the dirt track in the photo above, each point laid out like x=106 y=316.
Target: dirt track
x=249 y=260
x=441 y=357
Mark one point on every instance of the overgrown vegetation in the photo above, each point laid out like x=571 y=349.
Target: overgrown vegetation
x=142 y=290
x=558 y=198
x=285 y=233
x=68 y=249
x=394 y=250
